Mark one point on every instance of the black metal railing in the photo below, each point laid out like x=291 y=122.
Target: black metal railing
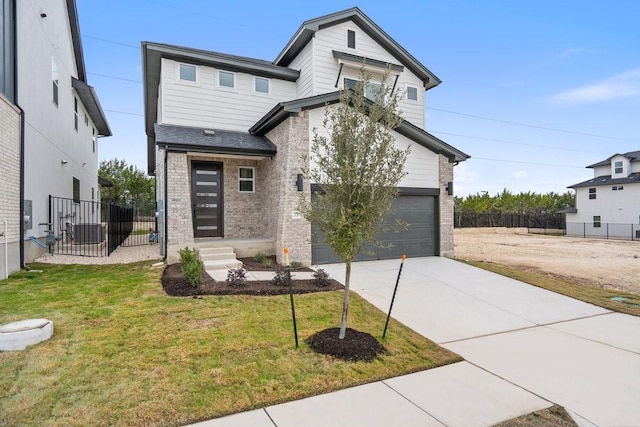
x=511 y=220
x=604 y=230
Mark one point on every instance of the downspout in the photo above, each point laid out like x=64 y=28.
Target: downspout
x=6 y=250
x=166 y=195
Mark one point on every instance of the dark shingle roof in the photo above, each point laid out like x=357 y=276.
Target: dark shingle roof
x=634 y=156
x=634 y=178
x=220 y=142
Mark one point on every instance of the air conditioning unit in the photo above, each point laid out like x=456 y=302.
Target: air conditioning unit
x=637 y=234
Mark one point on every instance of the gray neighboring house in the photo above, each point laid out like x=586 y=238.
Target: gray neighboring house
x=227 y=135
x=50 y=119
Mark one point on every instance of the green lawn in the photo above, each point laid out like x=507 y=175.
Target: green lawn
x=596 y=296
x=124 y=353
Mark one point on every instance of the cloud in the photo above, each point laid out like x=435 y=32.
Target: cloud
x=563 y=56
x=519 y=175
x=623 y=85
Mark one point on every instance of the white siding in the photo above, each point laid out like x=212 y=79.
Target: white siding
x=49 y=131
x=304 y=63
x=326 y=67
x=601 y=171
x=625 y=167
x=205 y=104
x=421 y=165
x=616 y=207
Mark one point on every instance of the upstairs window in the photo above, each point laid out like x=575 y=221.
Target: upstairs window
x=351 y=39
x=187 y=73
x=371 y=92
x=617 y=167
x=76 y=190
x=597 y=222
x=592 y=194
x=93 y=139
x=226 y=79
x=54 y=80
x=617 y=188
x=246 y=179
x=75 y=113
x=261 y=85
x=412 y=93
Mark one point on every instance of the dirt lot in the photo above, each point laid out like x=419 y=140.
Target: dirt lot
x=613 y=264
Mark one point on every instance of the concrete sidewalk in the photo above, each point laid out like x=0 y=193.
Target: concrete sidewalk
x=525 y=349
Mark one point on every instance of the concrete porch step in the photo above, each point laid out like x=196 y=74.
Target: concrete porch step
x=216 y=251
x=215 y=257
x=222 y=264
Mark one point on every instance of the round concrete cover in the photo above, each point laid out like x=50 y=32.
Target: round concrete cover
x=24 y=325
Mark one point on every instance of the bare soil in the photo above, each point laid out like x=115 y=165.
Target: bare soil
x=609 y=264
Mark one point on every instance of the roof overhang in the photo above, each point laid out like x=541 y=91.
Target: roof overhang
x=90 y=101
x=74 y=25
x=308 y=28
x=360 y=61
x=285 y=109
x=633 y=178
x=152 y=55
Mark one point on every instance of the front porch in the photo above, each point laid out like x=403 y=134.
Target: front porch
x=243 y=248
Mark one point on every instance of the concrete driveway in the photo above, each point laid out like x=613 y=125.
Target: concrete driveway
x=582 y=357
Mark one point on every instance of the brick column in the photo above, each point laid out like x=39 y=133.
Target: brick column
x=446 y=207
x=178 y=205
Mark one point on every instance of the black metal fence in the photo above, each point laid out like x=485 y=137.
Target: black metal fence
x=89 y=228
x=604 y=230
x=549 y=221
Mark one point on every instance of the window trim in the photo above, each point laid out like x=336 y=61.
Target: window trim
x=220 y=72
x=597 y=221
x=179 y=73
x=615 y=167
x=617 y=188
x=252 y=179
x=407 y=87
x=75 y=113
x=592 y=193
x=370 y=87
x=355 y=43
x=255 y=85
x=55 y=80
x=75 y=190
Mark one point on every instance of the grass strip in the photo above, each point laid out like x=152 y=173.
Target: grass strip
x=125 y=353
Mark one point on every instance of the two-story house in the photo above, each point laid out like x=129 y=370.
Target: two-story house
x=52 y=116
x=227 y=136
x=609 y=204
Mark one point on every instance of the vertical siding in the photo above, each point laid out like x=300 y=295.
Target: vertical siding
x=421 y=165
x=326 y=67
x=304 y=63
x=205 y=104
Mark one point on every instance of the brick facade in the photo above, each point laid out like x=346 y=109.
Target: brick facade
x=178 y=205
x=446 y=207
x=10 y=188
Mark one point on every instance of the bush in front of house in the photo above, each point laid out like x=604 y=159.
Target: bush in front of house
x=281 y=278
x=236 y=276
x=191 y=265
x=321 y=278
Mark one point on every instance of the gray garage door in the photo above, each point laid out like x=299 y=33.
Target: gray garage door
x=419 y=239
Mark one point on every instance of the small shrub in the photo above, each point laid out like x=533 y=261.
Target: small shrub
x=236 y=276
x=267 y=263
x=191 y=265
x=281 y=278
x=296 y=264
x=321 y=278
x=260 y=257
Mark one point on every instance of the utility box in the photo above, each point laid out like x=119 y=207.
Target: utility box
x=88 y=233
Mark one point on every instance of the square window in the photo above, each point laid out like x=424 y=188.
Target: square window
x=76 y=190
x=226 y=79
x=246 y=179
x=188 y=72
x=597 y=223
x=262 y=85
x=412 y=93
x=592 y=194
x=351 y=39
x=618 y=167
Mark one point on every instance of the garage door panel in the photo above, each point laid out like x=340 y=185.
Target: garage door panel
x=418 y=239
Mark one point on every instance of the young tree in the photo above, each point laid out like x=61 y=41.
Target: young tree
x=358 y=168
x=130 y=185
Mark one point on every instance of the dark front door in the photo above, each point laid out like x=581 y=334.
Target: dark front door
x=206 y=199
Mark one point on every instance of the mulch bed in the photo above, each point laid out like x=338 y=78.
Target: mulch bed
x=175 y=284
x=355 y=345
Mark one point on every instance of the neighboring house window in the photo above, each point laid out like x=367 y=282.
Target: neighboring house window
x=351 y=39
x=246 y=177
x=226 y=79
x=592 y=194
x=371 y=92
x=75 y=113
x=618 y=167
x=86 y=119
x=188 y=72
x=93 y=139
x=76 y=190
x=261 y=85
x=93 y=199
x=54 y=81
x=617 y=187
x=412 y=93
x=597 y=222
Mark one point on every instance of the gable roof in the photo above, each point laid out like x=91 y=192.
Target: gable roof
x=633 y=156
x=308 y=28
x=284 y=109
x=152 y=54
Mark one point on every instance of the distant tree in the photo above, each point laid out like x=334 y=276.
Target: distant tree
x=130 y=185
x=358 y=168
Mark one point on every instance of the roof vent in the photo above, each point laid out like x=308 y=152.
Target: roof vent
x=210 y=132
